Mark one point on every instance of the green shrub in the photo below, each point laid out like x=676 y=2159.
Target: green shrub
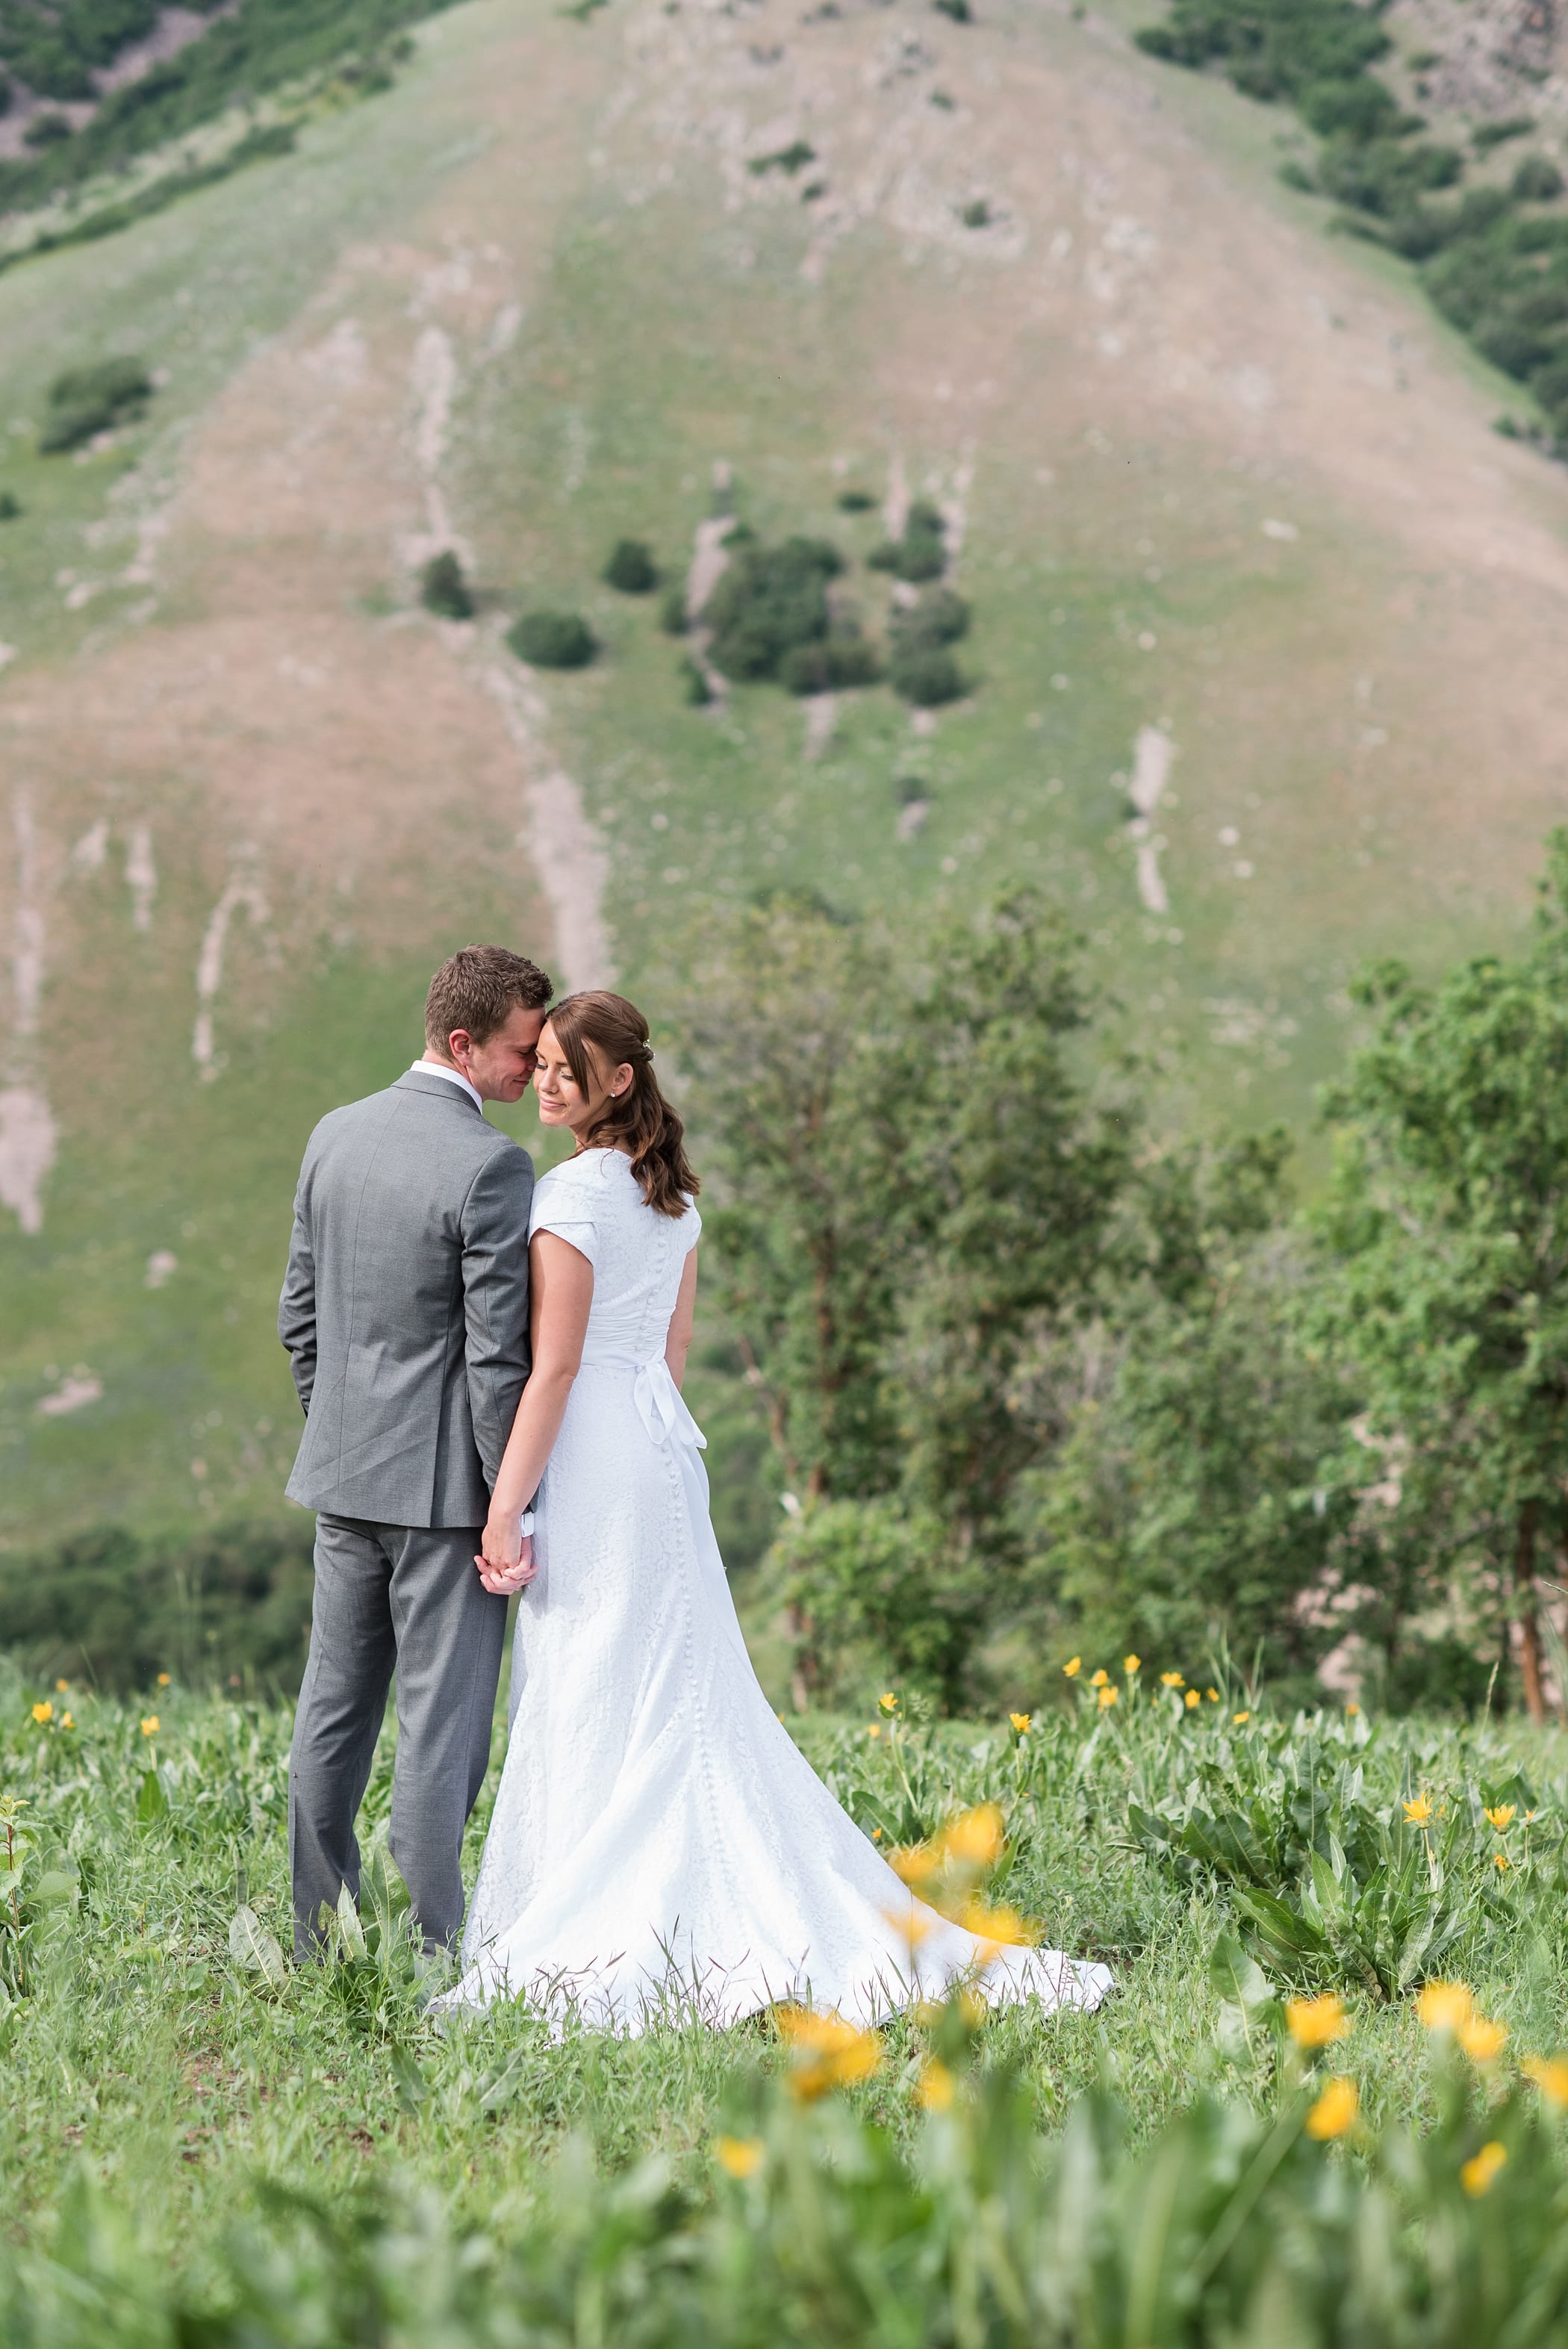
x=874 y=1594
x=836 y=662
x=88 y=400
x=855 y=501
x=1297 y=175
x=694 y=677
x=1488 y=135
x=1537 y=182
x=769 y=601
x=959 y=10
x=940 y=618
x=976 y=214
x=552 y=640
x=443 y=589
x=674 y=618
x=926 y=675
x=10 y=506
x=921 y=552
x=632 y=568
x=792 y=158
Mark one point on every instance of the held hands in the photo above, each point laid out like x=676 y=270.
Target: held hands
x=506 y=1563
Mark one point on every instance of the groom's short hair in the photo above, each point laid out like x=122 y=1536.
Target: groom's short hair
x=479 y=988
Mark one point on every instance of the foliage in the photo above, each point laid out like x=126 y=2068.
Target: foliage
x=10 y=506
x=122 y=1607
x=838 y=661
x=443 y=589
x=87 y=400
x=883 y=1594
x=1445 y=1224
x=855 y=501
x=921 y=552
x=553 y=640
x=632 y=568
x=260 y=48
x=673 y=618
x=769 y=601
x=1500 y=276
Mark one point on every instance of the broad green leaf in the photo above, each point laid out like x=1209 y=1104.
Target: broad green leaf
x=255 y=1950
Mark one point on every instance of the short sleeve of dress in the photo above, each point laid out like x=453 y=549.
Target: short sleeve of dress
x=691 y=1228
x=562 y=1208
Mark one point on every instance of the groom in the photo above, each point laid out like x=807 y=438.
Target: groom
x=405 y=1312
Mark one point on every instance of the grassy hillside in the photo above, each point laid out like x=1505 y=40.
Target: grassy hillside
x=1207 y=477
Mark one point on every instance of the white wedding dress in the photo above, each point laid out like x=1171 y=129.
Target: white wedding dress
x=660 y=1849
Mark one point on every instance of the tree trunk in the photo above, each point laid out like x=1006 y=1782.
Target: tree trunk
x=1526 y=1607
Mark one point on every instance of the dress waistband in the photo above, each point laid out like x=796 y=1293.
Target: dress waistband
x=659 y=1400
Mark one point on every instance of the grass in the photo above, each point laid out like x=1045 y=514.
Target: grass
x=195 y=2088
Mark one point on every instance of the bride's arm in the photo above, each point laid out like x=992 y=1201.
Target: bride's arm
x=560 y=1286
x=679 y=1342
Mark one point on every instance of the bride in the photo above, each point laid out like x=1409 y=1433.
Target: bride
x=659 y=1846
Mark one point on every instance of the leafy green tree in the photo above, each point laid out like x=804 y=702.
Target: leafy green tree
x=1446 y=1228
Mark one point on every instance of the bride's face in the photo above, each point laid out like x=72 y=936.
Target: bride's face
x=561 y=1099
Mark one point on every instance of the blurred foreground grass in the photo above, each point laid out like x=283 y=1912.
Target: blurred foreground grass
x=199 y=2144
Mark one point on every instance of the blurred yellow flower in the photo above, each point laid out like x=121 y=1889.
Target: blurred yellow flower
x=740 y=2156
x=1130 y=1663
x=1478 y=2173
x=1240 y=1719
x=1099 y=1679
x=972 y=2006
x=1335 y=2110
x=1021 y=1721
x=1073 y=1666
x=1002 y=1925
x=1352 y=1710
x=1171 y=1679
x=164 y=1678
x=936 y=2087
x=1444 y=2006
x=1499 y=1859
x=975 y=1839
x=66 y=1720
x=1317 y=2022
x=1550 y=2074
x=889 y=1703
x=915 y=1862
x=42 y=1713
x=1501 y=1818
x=60 y=1687
x=1108 y=1696
x=1212 y=1695
x=875 y=1729
x=913 y=1924
x=150 y=1724
x=1192 y=1699
x=1418 y=1812
x=1483 y=2042
x=827 y=2052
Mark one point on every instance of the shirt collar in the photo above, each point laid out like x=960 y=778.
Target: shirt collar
x=453 y=1077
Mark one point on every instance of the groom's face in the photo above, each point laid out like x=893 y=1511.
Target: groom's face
x=501 y=1067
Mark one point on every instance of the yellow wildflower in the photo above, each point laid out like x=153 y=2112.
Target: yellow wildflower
x=1192 y=1699
x=740 y=2156
x=1073 y=1666
x=1418 y=1812
x=876 y=1835
x=1171 y=1679
x=43 y=1712
x=1130 y=1663
x=66 y=1722
x=1501 y=1818
x=1021 y=1721
x=1099 y=1679
x=150 y=1724
x=915 y=1862
x=1212 y=1695
x=1352 y=1710
x=913 y=1924
x=1002 y=1925
x=937 y=2088
x=1445 y=2006
x=1550 y=2074
x=1478 y=2173
x=889 y=1703
x=1483 y=2042
x=1240 y=1719
x=1335 y=2110
x=875 y=1729
x=975 y=1839
x=1499 y=1859
x=60 y=1687
x=1317 y=2022
x=164 y=1678
x=1108 y=1697
x=827 y=2051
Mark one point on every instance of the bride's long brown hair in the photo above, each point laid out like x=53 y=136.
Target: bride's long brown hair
x=640 y=1120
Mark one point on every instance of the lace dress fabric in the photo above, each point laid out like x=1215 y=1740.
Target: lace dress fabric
x=660 y=1849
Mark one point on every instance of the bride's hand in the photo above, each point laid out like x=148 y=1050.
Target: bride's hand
x=506 y=1562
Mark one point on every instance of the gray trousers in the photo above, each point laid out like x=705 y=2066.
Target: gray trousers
x=409 y=1598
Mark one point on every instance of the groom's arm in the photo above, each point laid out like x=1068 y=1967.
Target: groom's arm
x=495 y=1298
x=296 y=1305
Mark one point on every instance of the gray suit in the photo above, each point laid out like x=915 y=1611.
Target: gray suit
x=405 y=1312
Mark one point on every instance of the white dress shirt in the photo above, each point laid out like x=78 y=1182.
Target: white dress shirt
x=453 y=1076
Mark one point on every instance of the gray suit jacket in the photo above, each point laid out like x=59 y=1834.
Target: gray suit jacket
x=405 y=1308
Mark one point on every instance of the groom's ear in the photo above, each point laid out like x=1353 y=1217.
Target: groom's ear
x=458 y=1044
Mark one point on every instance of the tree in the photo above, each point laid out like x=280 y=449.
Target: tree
x=1446 y=1239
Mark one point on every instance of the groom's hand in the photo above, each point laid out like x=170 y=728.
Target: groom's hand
x=506 y=1562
